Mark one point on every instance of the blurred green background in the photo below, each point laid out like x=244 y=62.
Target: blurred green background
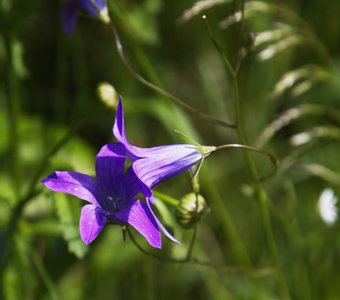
x=52 y=117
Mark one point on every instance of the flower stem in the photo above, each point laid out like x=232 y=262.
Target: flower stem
x=271 y=157
x=261 y=194
x=157 y=88
x=188 y=259
x=166 y=198
x=44 y=275
x=224 y=219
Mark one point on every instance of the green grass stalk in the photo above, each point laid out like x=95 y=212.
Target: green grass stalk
x=261 y=195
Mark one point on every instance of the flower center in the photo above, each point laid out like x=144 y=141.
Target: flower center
x=115 y=203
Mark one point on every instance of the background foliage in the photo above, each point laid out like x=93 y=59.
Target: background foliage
x=52 y=118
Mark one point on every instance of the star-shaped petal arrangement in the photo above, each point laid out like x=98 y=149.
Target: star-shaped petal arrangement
x=153 y=165
x=110 y=197
x=72 y=7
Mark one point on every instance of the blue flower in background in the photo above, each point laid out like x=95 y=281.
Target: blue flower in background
x=72 y=7
x=153 y=165
x=110 y=197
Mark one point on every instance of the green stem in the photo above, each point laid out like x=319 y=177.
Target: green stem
x=271 y=157
x=157 y=88
x=188 y=259
x=224 y=220
x=45 y=277
x=166 y=198
x=261 y=194
x=12 y=99
x=264 y=271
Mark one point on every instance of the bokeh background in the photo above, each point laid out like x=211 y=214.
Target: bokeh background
x=53 y=117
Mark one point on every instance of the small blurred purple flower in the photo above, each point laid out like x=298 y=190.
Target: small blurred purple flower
x=70 y=12
x=110 y=196
x=153 y=165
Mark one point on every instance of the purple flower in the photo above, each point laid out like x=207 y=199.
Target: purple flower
x=110 y=196
x=153 y=165
x=70 y=12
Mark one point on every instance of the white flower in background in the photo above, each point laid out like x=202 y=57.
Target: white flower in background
x=327 y=206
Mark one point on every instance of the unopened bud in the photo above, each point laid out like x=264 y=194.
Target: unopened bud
x=107 y=94
x=190 y=209
x=104 y=16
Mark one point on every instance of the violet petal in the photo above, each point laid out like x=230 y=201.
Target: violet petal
x=167 y=233
x=118 y=127
x=101 y=4
x=183 y=152
x=73 y=183
x=134 y=185
x=110 y=163
x=154 y=170
x=88 y=7
x=69 y=15
x=92 y=221
x=139 y=216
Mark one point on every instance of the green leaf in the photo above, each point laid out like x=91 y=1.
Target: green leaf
x=11 y=282
x=19 y=280
x=68 y=211
x=143 y=19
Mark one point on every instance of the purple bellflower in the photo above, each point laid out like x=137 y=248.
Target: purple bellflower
x=153 y=165
x=110 y=196
x=70 y=11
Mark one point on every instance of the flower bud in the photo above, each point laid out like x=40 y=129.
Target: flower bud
x=190 y=209
x=107 y=94
x=104 y=16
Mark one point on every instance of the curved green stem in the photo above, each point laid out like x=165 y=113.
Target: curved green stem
x=159 y=90
x=162 y=257
x=188 y=259
x=271 y=157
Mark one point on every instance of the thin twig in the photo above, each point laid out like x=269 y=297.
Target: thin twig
x=154 y=255
x=160 y=90
x=271 y=157
x=163 y=258
x=194 y=261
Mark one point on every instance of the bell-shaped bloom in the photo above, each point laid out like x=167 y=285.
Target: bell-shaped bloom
x=153 y=165
x=70 y=12
x=110 y=197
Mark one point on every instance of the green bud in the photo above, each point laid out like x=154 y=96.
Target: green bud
x=190 y=209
